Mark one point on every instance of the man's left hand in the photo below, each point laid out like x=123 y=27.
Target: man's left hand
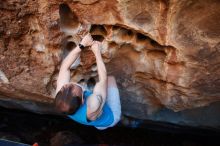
x=87 y=40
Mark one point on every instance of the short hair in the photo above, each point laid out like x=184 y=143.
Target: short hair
x=66 y=99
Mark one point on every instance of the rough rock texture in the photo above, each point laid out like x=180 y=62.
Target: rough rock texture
x=163 y=53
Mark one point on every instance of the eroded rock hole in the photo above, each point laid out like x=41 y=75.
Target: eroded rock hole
x=126 y=32
x=68 y=19
x=98 y=30
x=129 y=32
x=68 y=47
x=141 y=37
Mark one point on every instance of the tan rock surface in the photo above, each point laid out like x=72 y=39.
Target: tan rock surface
x=163 y=53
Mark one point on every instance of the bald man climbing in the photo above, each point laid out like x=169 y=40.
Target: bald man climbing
x=100 y=108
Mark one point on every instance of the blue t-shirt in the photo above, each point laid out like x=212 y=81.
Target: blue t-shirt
x=104 y=120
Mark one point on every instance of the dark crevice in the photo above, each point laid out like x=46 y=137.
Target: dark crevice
x=153 y=42
x=98 y=38
x=82 y=80
x=115 y=27
x=129 y=32
x=98 y=30
x=141 y=37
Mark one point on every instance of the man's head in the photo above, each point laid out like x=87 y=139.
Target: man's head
x=69 y=98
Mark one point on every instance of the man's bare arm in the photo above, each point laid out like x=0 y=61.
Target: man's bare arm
x=64 y=73
x=93 y=103
x=101 y=86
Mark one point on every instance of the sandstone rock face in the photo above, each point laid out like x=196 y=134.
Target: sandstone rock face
x=164 y=54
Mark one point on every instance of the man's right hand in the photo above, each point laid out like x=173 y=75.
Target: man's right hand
x=87 y=40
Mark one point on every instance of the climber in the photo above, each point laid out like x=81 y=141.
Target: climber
x=100 y=108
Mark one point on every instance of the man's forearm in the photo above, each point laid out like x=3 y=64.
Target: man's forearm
x=101 y=67
x=70 y=58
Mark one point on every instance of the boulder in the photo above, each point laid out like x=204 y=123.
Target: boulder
x=164 y=54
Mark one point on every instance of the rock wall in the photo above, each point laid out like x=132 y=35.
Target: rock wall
x=163 y=53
